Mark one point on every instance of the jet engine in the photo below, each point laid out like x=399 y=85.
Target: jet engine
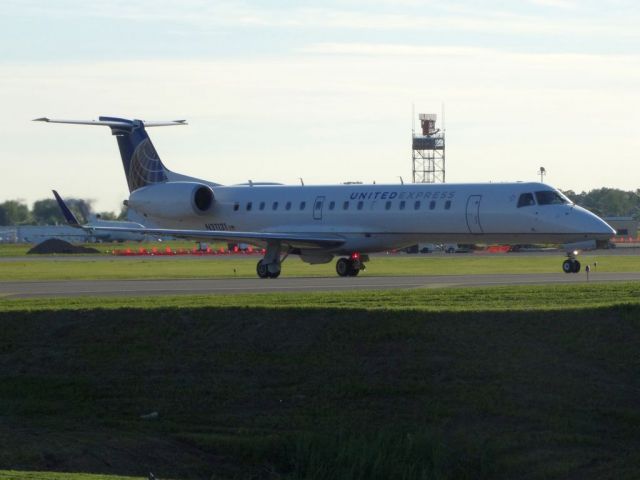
x=172 y=199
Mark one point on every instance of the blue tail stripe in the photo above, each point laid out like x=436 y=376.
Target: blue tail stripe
x=142 y=165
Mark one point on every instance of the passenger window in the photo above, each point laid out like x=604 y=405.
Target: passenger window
x=303 y=205
x=345 y=205
x=402 y=204
x=332 y=205
x=432 y=204
x=274 y=206
x=447 y=205
x=261 y=205
x=360 y=205
x=387 y=205
x=526 y=200
x=287 y=206
x=236 y=206
x=416 y=206
x=249 y=205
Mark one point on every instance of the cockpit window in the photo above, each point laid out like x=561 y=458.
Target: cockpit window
x=550 y=197
x=525 y=200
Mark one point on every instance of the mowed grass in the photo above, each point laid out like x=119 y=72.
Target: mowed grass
x=21 y=249
x=483 y=299
x=511 y=382
x=244 y=266
x=28 y=475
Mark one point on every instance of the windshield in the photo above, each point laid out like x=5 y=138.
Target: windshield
x=551 y=197
x=526 y=200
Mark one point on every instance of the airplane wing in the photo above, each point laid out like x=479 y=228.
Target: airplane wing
x=293 y=239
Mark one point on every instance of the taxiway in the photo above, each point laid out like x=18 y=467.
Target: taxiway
x=289 y=284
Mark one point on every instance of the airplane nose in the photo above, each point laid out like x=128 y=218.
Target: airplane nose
x=601 y=228
x=607 y=229
x=593 y=225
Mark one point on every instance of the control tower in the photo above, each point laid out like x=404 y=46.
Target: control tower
x=428 y=151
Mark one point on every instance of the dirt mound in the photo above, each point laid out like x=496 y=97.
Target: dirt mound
x=54 y=245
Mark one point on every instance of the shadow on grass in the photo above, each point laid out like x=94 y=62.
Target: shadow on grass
x=313 y=393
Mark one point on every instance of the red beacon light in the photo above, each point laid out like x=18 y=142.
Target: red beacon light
x=355 y=256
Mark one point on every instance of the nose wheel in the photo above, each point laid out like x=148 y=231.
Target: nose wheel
x=571 y=265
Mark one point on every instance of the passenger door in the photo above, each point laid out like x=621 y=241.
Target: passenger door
x=473 y=214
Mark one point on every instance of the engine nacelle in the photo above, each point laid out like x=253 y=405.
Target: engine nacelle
x=172 y=199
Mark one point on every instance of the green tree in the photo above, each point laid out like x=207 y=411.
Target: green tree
x=123 y=213
x=47 y=212
x=14 y=212
x=609 y=202
x=107 y=216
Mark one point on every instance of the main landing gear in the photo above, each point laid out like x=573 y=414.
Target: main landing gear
x=571 y=264
x=351 y=266
x=269 y=266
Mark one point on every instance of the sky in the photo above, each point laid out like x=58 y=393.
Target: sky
x=278 y=90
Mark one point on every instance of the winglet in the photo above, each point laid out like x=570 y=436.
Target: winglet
x=68 y=214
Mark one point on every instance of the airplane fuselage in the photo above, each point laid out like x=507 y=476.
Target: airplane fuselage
x=379 y=217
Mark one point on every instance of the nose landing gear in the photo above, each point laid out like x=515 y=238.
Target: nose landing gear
x=571 y=264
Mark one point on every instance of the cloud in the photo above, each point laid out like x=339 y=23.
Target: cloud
x=562 y=4
x=354 y=15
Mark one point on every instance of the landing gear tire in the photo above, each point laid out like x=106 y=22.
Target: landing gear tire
x=274 y=274
x=262 y=269
x=343 y=267
x=571 y=266
x=346 y=267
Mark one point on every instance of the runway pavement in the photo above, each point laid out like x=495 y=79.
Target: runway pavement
x=287 y=284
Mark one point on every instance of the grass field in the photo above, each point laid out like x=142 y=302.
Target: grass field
x=510 y=382
x=20 y=249
x=244 y=266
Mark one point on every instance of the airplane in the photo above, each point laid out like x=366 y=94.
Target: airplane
x=111 y=235
x=320 y=222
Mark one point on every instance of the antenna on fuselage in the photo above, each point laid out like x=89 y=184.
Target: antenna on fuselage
x=301 y=181
x=401 y=180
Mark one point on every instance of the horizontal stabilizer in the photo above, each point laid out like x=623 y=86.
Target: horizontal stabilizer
x=113 y=122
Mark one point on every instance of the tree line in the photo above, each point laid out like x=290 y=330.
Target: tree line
x=606 y=202
x=47 y=212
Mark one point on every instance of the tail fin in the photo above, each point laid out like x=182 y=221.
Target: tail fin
x=68 y=214
x=142 y=165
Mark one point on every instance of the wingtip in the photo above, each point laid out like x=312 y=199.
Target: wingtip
x=42 y=119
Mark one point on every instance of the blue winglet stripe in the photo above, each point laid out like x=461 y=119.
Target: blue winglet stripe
x=68 y=214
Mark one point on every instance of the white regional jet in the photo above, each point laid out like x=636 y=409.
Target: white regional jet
x=320 y=222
